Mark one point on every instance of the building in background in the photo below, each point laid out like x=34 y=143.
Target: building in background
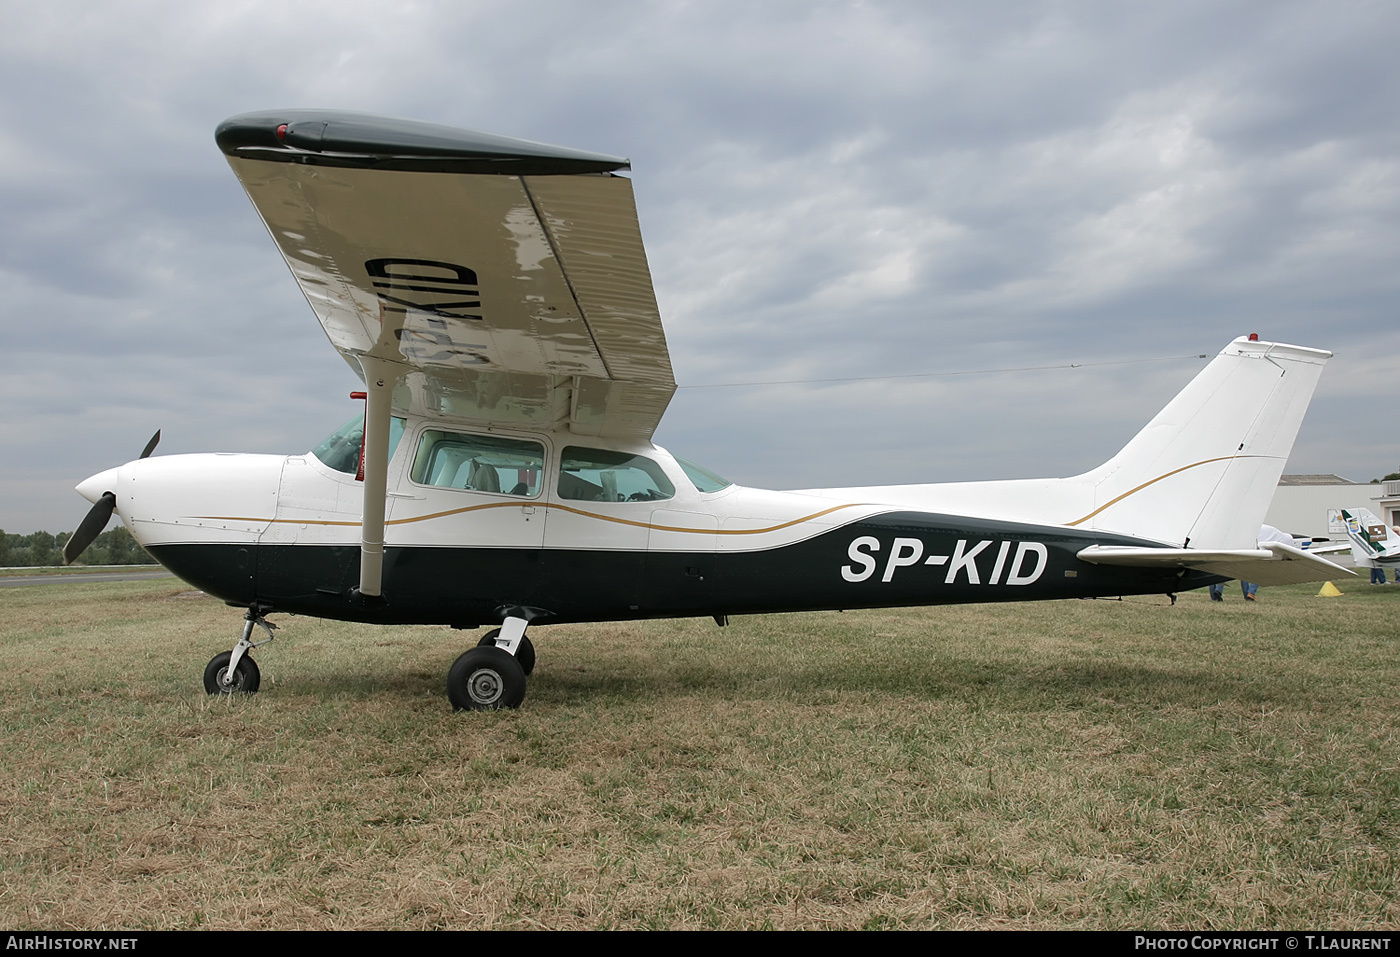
x=1302 y=502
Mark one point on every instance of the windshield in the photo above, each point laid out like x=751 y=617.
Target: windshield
x=341 y=449
x=702 y=478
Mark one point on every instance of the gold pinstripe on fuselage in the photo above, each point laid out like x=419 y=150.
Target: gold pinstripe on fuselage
x=547 y=505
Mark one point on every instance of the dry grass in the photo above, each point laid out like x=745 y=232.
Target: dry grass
x=1073 y=764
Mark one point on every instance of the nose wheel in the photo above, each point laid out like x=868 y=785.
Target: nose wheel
x=245 y=679
x=233 y=672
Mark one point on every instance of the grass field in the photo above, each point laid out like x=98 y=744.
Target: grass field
x=1060 y=765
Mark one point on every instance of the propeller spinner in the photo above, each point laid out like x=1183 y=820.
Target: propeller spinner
x=98 y=516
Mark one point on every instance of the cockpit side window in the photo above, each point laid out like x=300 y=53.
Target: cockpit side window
x=601 y=475
x=341 y=449
x=481 y=463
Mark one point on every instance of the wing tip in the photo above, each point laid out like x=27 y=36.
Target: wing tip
x=364 y=140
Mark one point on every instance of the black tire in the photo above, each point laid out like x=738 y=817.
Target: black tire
x=485 y=679
x=246 y=676
x=524 y=652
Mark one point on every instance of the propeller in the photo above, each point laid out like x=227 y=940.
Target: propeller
x=91 y=526
x=98 y=516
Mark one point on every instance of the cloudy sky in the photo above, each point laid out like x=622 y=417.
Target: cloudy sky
x=1088 y=194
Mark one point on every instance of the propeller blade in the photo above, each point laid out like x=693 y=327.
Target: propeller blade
x=150 y=446
x=92 y=525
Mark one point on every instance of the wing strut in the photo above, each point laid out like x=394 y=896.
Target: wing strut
x=379 y=382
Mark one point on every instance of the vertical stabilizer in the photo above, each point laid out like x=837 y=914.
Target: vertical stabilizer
x=1372 y=543
x=1203 y=472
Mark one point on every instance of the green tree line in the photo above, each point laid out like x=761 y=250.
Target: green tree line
x=113 y=547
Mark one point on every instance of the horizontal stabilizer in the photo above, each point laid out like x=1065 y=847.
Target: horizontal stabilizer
x=1329 y=548
x=1272 y=563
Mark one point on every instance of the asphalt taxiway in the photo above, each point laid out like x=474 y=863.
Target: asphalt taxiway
x=124 y=575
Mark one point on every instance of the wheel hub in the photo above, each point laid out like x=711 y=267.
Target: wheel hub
x=484 y=686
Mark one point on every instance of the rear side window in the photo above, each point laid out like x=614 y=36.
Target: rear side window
x=601 y=475
x=480 y=463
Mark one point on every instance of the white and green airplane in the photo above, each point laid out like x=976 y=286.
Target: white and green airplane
x=1373 y=543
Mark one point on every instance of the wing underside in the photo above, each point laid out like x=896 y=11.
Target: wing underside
x=506 y=279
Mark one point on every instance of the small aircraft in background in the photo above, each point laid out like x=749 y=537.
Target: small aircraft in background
x=1373 y=543
x=494 y=296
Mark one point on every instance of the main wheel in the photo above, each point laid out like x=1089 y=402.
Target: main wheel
x=485 y=679
x=246 y=676
x=524 y=652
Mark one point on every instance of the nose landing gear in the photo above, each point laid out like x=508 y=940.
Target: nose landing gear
x=233 y=672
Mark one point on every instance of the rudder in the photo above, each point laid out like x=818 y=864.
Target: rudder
x=1203 y=472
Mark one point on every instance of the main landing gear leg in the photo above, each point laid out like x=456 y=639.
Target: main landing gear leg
x=234 y=672
x=492 y=675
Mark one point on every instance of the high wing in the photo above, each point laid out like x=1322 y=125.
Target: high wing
x=502 y=281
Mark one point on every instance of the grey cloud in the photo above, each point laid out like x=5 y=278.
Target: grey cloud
x=826 y=190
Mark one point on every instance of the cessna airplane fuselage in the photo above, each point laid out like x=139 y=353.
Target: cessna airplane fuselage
x=282 y=532
x=494 y=297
